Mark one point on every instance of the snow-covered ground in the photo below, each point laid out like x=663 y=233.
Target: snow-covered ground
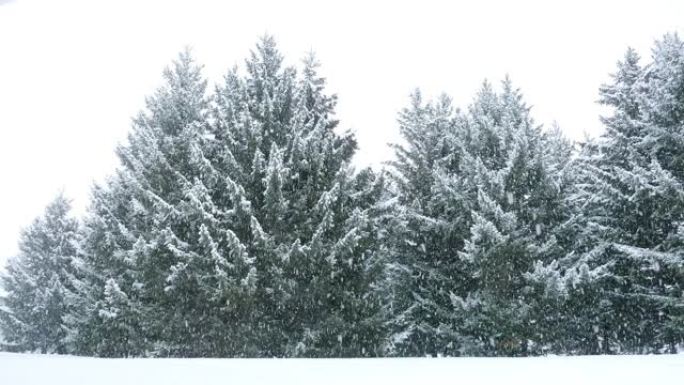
x=27 y=369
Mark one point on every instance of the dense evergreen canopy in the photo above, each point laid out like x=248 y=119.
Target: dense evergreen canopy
x=39 y=283
x=237 y=226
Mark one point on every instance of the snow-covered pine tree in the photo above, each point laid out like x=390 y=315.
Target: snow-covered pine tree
x=39 y=283
x=240 y=231
x=305 y=218
x=513 y=175
x=482 y=195
x=159 y=263
x=430 y=226
x=625 y=280
x=545 y=293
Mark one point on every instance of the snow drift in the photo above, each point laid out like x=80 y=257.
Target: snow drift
x=27 y=369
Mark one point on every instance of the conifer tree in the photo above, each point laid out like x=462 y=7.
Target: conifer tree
x=39 y=283
x=482 y=197
x=152 y=222
x=427 y=232
x=514 y=175
x=628 y=264
x=235 y=225
x=308 y=220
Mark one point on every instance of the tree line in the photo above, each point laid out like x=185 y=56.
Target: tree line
x=237 y=226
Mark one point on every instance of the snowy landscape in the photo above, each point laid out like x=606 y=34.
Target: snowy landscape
x=239 y=239
x=598 y=370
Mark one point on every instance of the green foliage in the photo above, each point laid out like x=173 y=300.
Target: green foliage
x=630 y=207
x=39 y=283
x=236 y=226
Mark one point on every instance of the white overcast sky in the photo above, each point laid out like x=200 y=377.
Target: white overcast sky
x=72 y=73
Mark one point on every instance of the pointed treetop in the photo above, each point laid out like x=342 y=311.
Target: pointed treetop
x=621 y=92
x=669 y=43
x=59 y=205
x=315 y=98
x=266 y=59
x=181 y=99
x=184 y=73
x=311 y=65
